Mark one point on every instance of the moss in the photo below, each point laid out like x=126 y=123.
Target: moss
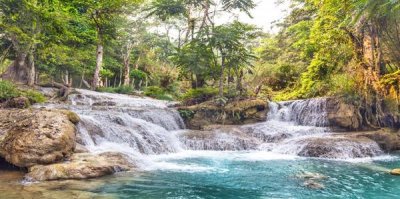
x=73 y=117
x=243 y=105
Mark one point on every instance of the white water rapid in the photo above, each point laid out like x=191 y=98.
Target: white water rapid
x=144 y=127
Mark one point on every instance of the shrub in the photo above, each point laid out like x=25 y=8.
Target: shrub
x=124 y=89
x=8 y=90
x=186 y=114
x=106 y=89
x=198 y=95
x=120 y=89
x=158 y=93
x=33 y=96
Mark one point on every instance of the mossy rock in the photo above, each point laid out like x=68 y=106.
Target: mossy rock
x=233 y=113
x=73 y=117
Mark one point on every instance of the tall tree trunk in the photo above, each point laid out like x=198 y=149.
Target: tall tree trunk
x=99 y=64
x=17 y=71
x=221 y=79
x=31 y=70
x=126 y=70
x=239 y=79
x=127 y=61
x=137 y=63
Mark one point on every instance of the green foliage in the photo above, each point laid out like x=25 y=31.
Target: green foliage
x=8 y=90
x=33 y=96
x=158 y=93
x=186 y=114
x=119 y=89
x=138 y=74
x=200 y=94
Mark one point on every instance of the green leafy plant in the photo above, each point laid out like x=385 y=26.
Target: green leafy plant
x=158 y=93
x=8 y=90
x=33 y=96
x=186 y=114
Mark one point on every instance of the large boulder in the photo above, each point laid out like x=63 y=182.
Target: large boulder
x=337 y=147
x=81 y=166
x=343 y=115
x=219 y=138
x=35 y=136
x=387 y=139
x=234 y=113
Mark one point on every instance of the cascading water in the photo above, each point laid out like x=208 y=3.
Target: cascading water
x=229 y=161
x=294 y=127
x=143 y=126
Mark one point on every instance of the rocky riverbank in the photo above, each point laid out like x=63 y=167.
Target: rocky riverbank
x=49 y=144
x=44 y=143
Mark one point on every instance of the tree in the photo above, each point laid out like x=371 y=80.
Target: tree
x=102 y=15
x=229 y=41
x=30 y=25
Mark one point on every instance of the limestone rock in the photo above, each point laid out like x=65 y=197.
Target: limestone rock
x=387 y=139
x=234 y=113
x=343 y=115
x=81 y=166
x=219 y=138
x=32 y=136
x=395 y=172
x=73 y=117
x=338 y=147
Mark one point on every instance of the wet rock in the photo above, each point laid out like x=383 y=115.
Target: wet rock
x=343 y=115
x=219 y=138
x=73 y=117
x=337 y=147
x=30 y=137
x=104 y=103
x=234 y=113
x=313 y=184
x=311 y=176
x=81 y=166
x=18 y=102
x=395 y=172
x=387 y=139
x=79 y=148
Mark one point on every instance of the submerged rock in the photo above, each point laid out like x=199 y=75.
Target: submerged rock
x=313 y=184
x=30 y=137
x=81 y=166
x=395 y=172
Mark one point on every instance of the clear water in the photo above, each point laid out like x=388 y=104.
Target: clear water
x=258 y=175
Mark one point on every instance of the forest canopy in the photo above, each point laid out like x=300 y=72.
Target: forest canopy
x=176 y=49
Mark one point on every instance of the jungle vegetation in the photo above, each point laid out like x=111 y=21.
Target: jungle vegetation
x=175 y=49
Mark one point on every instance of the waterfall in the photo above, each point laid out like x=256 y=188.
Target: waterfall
x=311 y=112
x=139 y=126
